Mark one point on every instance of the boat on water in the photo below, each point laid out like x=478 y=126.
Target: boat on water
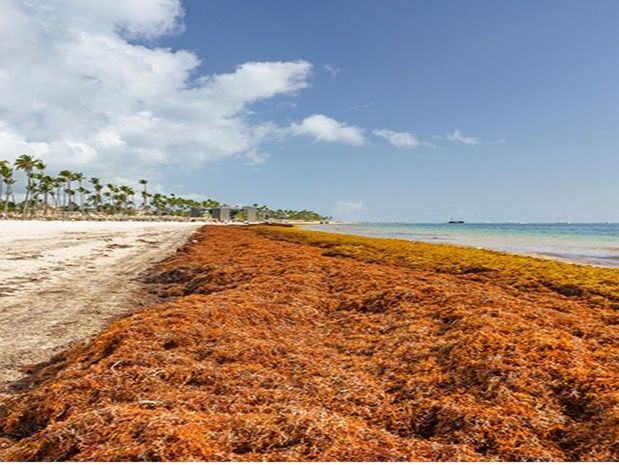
x=452 y=221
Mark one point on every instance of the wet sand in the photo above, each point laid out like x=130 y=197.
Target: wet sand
x=62 y=282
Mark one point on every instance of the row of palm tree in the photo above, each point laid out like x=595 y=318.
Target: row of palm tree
x=70 y=193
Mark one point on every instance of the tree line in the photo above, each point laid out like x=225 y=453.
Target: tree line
x=70 y=193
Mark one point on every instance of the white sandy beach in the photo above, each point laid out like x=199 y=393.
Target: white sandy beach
x=61 y=282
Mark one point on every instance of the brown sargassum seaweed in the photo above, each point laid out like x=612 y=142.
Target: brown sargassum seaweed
x=269 y=348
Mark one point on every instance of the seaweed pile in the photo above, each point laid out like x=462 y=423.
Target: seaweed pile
x=598 y=286
x=269 y=348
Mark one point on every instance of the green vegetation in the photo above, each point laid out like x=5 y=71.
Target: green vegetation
x=71 y=194
x=295 y=215
x=265 y=213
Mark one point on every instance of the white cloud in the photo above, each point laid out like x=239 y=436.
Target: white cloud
x=399 y=139
x=11 y=142
x=333 y=70
x=256 y=157
x=326 y=129
x=79 y=93
x=346 y=208
x=457 y=137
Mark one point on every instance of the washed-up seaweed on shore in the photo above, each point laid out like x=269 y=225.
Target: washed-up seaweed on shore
x=597 y=285
x=288 y=345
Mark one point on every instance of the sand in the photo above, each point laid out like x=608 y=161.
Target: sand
x=62 y=282
x=268 y=348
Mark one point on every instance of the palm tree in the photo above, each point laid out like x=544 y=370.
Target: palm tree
x=108 y=197
x=158 y=203
x=6 y=174
x=170 y=203
x=145 y=194
x=65 y=177
x=46 y=187
x=9 y=197
x=113 y=196
x=120 y=198
x=79 y=177
x=27 y=163
x=3 y=164
x=96 y=199
x=69 y=193
x=127 y=194
x=83 y=195
x=57 y=183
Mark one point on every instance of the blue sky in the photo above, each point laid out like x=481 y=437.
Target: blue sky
x=541 y=75
x=509 y=110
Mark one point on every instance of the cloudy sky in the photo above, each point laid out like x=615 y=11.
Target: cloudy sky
x=369 y=110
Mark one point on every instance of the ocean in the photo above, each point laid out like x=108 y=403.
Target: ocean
x=593 y=244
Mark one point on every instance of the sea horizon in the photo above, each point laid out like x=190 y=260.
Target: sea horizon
x=582 y=243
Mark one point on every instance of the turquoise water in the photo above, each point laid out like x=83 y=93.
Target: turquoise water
x=596 y=244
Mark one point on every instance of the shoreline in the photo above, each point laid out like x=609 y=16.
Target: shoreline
x=507 y=246
x=159 y=219
x=284 y=344
x=543 y=256
x=458 y=259
x=62 y=282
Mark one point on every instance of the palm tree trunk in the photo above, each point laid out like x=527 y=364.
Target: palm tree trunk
x=26 y=198
x=34 y=200
x=81 y=198
x=9 y=192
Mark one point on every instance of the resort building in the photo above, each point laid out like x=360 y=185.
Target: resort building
x=226 y=213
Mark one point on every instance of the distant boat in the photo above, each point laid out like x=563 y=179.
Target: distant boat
x=452 y=221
